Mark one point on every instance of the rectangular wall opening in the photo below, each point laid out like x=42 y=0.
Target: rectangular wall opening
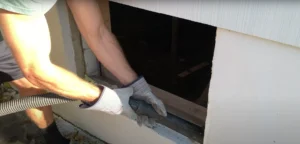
x=172 y=53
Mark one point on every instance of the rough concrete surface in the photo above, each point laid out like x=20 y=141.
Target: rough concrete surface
x=17 y=128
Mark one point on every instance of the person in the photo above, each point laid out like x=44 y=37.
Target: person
x=25 y=63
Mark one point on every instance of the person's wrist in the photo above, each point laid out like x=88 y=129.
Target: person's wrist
x=131 y=83
x=126 y=79
x=112 y=101
x=92 y=101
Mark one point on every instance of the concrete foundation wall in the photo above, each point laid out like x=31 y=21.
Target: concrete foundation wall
x=118 y=129
x=92 y=65
x=57 y=45
x=64 y=53
x=254 y=92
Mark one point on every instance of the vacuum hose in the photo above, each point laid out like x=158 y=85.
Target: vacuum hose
x=41 y=100
x=21 y=104
x=140 y=107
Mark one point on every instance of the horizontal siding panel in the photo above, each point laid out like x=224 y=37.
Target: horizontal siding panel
x=274 y=20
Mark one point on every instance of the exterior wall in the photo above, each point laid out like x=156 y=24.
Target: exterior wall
x=117 y=129
x=92 y=66
x=112 y=129
x=57 y=45
x=275 y=20
x=65 y=39
x=254 y=92
x=253 y=96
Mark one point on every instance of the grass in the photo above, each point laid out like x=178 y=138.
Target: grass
x=6 y=92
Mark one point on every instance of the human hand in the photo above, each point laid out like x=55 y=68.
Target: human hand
x=116 y=102
x=111 y=101
x=142 y=91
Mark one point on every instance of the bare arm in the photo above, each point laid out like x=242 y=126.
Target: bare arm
x=88 y=17
x=29 y=40
x=102 y=42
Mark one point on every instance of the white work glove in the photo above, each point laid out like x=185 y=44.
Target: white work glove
x=116 y=102
x=113 y=101
x=142 y=91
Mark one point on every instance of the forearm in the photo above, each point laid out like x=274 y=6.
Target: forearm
x=29 y=40
x=89 y=20
x=110 y=54
x=63 y=82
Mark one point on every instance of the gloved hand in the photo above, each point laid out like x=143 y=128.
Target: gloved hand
x=113 y=101
x=116 y=101
x=142 y=91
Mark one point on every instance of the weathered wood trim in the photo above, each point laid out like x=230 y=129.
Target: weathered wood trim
x=203 y=99
x=182 y=108
x=104 y=7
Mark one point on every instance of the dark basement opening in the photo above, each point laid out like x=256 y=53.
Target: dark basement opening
x=173 y=54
